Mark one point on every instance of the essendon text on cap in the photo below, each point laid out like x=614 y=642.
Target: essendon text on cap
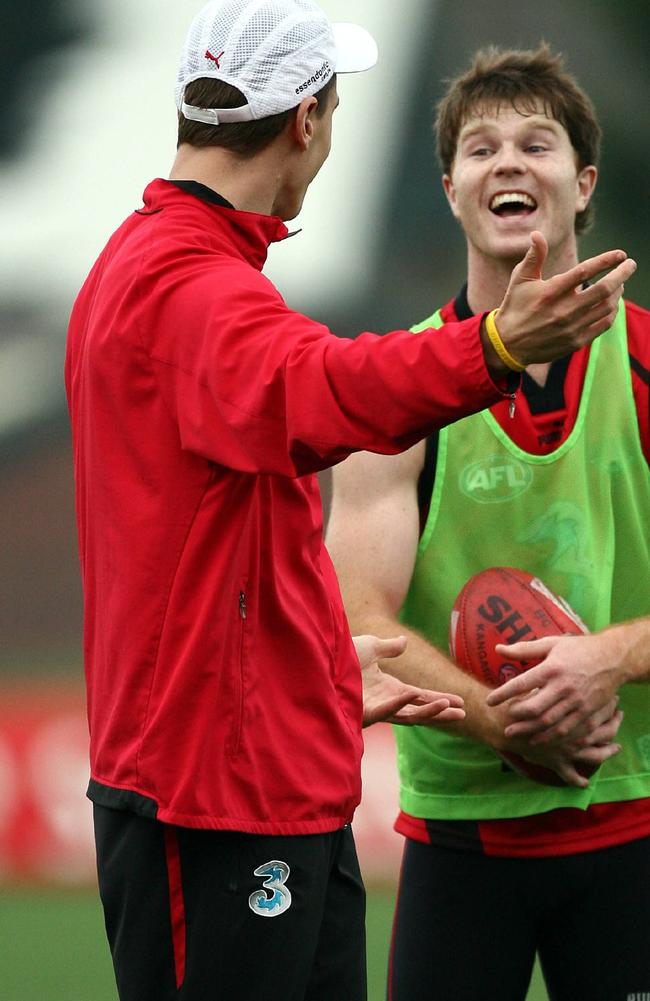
x=325 y=70
x=215 y=59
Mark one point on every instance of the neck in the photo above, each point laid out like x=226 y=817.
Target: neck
x=488 y=279
x=250 y=184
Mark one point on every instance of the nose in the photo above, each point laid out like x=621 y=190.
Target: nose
x=509 y=160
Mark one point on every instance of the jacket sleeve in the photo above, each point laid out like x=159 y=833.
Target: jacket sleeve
x=257 y=387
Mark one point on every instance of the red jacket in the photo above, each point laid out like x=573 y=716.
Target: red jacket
x=223 y=687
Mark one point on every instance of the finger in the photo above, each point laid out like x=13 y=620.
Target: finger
x=391 y=647
x=376 y=711
x=586 y=270
x=602 y=715
x=591 y=330
x=523 y=684
x=597 y=755
x=601 y=313
x=608 y=285
x=599 y=318
x=411 y=715
x=545 y=706
x=571 y=724
x=524 y=728
x=605 y=733
x=570 y=716
x=529 y=650
x=530 y=268
x=545 y=712
x=569 y=774
x=451 y=715
x=596 y=324
x=422 y=696
x=411 y=702
x=600 y=299
x=556 y=725
x=607 y=713
x=594 y=308
x=421 y=716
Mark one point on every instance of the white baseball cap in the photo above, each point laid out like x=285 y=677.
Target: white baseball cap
x=276 y=52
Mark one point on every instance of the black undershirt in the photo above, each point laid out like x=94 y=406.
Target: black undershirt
x=203 y=192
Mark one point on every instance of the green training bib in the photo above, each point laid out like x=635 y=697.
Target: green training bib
x=579 y=519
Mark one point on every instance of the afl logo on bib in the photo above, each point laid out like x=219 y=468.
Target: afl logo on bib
x=278 y=898
x=494 y=479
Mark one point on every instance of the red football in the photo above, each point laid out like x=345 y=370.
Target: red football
x=507 y=605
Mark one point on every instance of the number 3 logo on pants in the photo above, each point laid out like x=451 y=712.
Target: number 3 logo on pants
x=260 y=902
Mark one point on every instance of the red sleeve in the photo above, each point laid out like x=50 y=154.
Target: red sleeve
x=257 y=387
x=638 y=339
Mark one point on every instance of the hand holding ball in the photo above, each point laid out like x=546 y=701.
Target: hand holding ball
x=507 y=605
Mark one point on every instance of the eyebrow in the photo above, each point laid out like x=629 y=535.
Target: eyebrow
x=532 y=122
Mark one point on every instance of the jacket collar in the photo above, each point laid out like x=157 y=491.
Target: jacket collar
x=248 y=234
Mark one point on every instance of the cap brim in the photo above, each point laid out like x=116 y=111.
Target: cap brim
x=356 y=49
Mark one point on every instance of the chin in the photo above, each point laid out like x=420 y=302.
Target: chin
x=511 y=248
x=289 y=205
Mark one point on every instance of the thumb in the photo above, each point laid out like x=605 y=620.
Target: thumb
x=392 y=647
x=530 y=268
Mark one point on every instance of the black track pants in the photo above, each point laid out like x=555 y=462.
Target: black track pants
x=188 y=918
x=468 y=926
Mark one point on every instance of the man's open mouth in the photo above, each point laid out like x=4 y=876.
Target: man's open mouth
x=512 y=203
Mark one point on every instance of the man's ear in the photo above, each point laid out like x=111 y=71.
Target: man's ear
x=450 y=192
x=587 y=178
x=303 y=121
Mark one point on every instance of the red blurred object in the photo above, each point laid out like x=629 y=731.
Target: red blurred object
x=508 y=605
x=45 y=818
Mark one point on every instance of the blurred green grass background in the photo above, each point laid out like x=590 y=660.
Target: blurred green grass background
x=52 y=947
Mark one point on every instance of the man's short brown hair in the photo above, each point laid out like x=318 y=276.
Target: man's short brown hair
x=523 y=79
x=243 y=138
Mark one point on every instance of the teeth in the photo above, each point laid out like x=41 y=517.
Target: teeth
x=512 y=197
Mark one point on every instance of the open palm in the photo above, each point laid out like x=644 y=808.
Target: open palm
x=387 y=699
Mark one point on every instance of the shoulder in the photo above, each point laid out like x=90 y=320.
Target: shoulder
x=638 y=332
x=444 y=315
x=636 y=311
x=638 y=318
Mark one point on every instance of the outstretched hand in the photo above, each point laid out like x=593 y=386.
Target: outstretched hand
x=540 y=319
x=387 y=699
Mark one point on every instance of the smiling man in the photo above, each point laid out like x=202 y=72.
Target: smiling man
x=497 y=210
x=497 y=867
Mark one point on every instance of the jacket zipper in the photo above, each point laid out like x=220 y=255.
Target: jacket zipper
x=235 y=738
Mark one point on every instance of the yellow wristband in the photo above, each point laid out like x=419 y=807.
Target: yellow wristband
x=498 y=345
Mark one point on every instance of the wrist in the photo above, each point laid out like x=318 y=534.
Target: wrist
x=494 y=336
x=482 y=722
x=495 y=365
x=622 y=651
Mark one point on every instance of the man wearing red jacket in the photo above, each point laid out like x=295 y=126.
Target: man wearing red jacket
x=224 y=692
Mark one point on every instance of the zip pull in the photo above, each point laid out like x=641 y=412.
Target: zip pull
x=242 y=604
x=512 y=405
